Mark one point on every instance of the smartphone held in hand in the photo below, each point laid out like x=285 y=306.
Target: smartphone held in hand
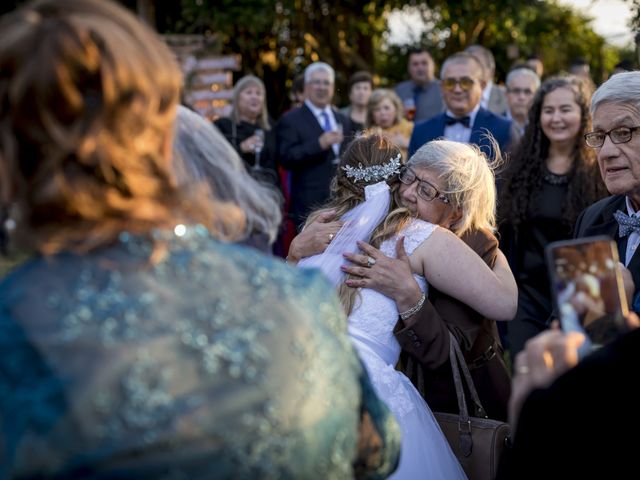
x=587 y=288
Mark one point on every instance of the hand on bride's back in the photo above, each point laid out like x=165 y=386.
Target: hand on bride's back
x=315 y=237
x=391 y=277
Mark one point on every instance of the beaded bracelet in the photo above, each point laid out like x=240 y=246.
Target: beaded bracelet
x=408 y=313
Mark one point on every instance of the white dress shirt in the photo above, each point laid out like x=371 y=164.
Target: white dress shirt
x=332 y=121
x=458 y=132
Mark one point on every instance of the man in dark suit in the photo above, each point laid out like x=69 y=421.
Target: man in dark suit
x=465 y=120
x=616 y=139
x=308 y=142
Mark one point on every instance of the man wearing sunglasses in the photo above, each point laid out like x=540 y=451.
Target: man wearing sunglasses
x=464 y=120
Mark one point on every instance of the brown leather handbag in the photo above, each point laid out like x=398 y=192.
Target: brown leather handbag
x=477 y=441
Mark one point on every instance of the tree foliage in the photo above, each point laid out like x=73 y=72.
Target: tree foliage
x=512 y=30
x=278 y=39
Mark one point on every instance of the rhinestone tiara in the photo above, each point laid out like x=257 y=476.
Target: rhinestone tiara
x=375 y=172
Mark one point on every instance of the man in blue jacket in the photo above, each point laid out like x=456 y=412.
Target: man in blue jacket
x=464 y=120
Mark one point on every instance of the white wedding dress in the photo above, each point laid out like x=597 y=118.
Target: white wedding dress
x=425 y=452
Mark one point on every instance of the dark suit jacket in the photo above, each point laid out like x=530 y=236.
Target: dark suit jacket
x=598 y=220
x=484 y=122
x=583 y=425
x=312 y=168
x=424 y=340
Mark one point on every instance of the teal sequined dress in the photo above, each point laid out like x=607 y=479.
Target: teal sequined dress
x=213 y=362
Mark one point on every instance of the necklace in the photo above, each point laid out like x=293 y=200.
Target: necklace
x=554 y=178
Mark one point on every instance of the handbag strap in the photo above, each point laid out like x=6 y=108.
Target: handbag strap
x=459 y=364
x=464 y=424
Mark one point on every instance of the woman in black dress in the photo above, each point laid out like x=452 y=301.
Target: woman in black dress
x=248 y=129
x=550 y=179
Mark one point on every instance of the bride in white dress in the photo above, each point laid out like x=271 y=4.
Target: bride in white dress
x=363 y=195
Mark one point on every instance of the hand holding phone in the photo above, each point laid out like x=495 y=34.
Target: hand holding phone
x=587 y=288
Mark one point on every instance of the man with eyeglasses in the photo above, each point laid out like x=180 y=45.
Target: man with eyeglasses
x=522 y=84
x=309 y=140
x=616 y=120
x=464 y=120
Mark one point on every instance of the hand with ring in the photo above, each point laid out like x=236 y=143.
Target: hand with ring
x=390 y=276
x=315 y=237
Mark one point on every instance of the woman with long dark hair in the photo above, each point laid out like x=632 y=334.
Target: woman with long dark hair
x=550 y=179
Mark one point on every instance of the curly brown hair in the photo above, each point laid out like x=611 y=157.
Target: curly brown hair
x=88 y=98
x=526 y=170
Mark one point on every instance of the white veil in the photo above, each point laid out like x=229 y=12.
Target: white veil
x=359 y=224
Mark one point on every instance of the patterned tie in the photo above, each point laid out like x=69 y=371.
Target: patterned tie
x=626 y=223
x=466 y=121
x=326 y=124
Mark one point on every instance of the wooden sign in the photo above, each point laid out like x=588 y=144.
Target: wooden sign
x=197 y=95
x=224 y=62
x=208 y=79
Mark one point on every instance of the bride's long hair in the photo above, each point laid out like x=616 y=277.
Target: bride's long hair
x=365 y=151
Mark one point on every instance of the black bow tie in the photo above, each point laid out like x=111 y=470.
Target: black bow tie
x=465 y=121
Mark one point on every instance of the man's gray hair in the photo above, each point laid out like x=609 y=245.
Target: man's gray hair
x=620 y=88
x=319 y=67
x=523 y=72
x=462 y=57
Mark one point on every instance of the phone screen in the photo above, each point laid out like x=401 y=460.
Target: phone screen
x=587 y=288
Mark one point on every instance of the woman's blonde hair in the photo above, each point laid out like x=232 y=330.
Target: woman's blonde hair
x=88 y=101
x=242 y=84
x=377 y=96
x=468 y=180
x=346 y=193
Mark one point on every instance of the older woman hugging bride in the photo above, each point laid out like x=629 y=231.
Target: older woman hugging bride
x=365 y=199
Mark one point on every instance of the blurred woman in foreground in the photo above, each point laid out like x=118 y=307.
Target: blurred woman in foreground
x=137 y=345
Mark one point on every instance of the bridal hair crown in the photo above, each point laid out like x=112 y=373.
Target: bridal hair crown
x=375 y=172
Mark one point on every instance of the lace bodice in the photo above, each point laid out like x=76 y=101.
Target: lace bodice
x=213 y=362
x=375 y=315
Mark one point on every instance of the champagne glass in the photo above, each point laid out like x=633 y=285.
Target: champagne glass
x=340 y=130
x=410 y=109
x=259 y=133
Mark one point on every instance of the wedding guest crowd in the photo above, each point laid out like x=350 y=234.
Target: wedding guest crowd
x=149 y=330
